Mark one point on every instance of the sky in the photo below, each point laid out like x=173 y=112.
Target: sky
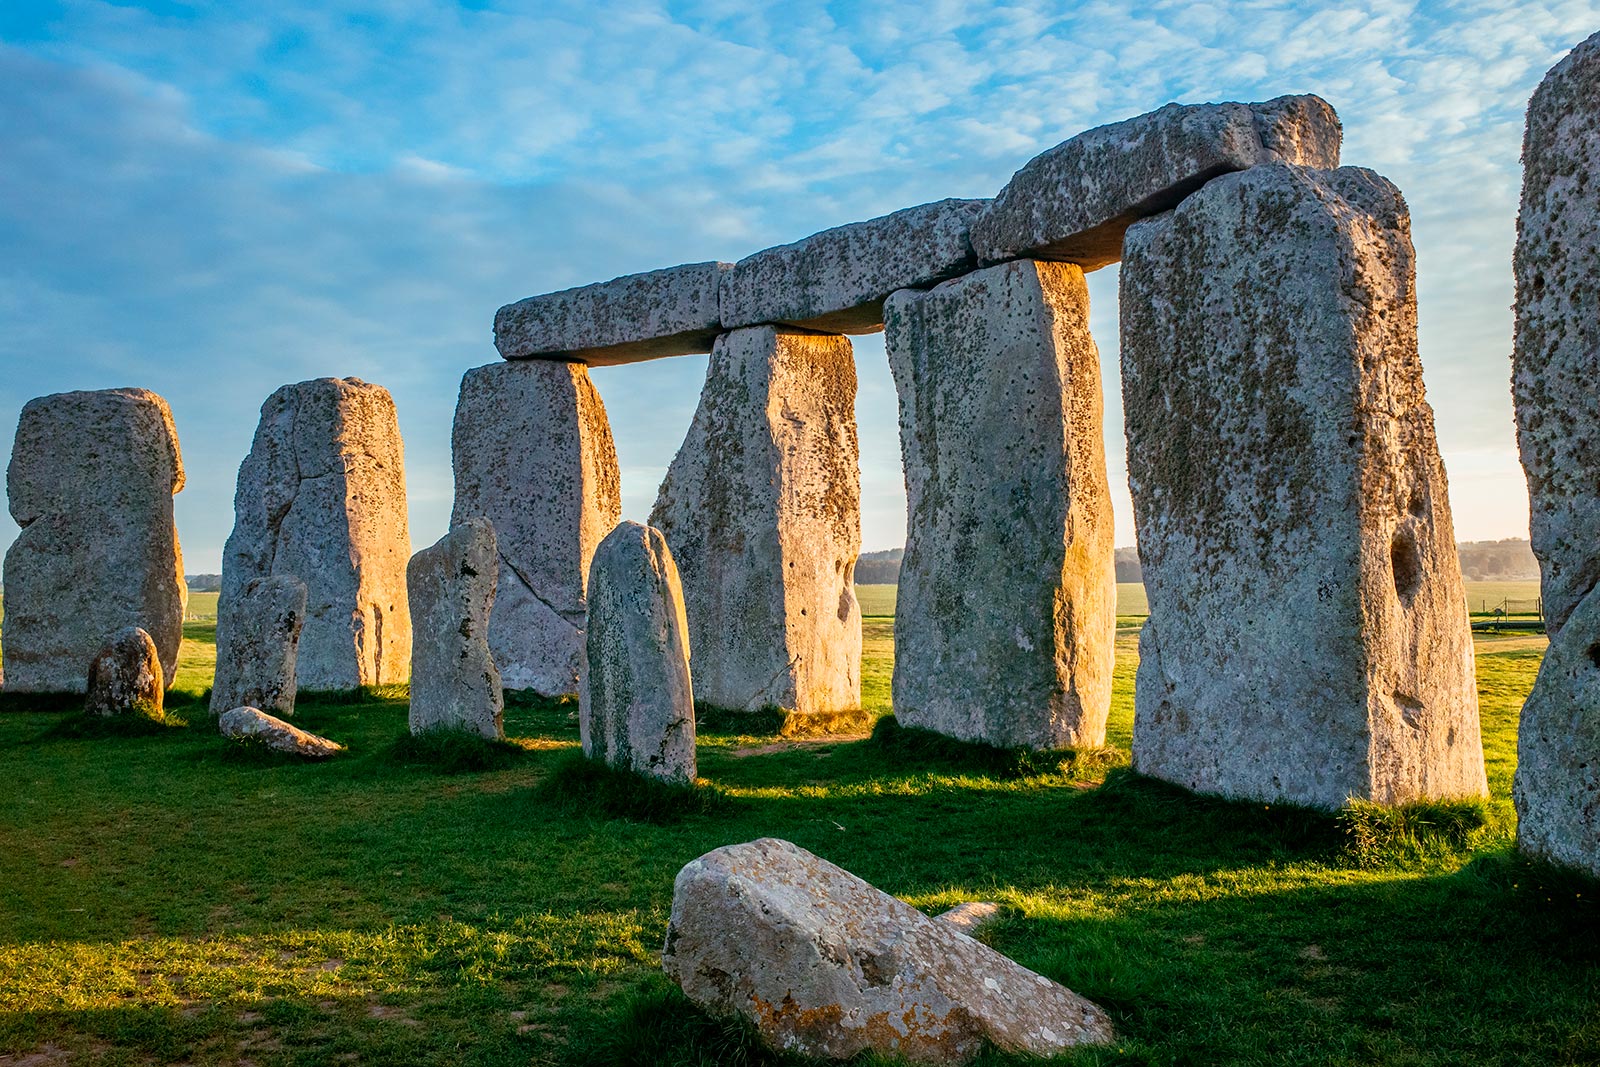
x=211 y=200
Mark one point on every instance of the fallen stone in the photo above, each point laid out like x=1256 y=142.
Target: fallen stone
x=1006 y=621
x=671 y=312
x=823 y=964
x=91 y=482
x=533 y=455
x=1074 y=202
x=322 y=496
x=762 y=508
x=1308 y=638
x=836 y=281
x=125 y=677
x=971 y=915
x=253 y=724
x=636 y=703
x=258 y=636
x=454 y=683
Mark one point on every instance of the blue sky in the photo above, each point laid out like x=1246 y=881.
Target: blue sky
x=213 y=199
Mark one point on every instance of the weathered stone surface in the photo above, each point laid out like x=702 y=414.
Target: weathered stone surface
x=91 y=482
x=1074 y=202
x=322 y=496
x=636 y=703
x=255 y=724
x=454 y=683
x=836 y=281
x=258 y=637
x=824 y=964
x=534 y=455
x=971 y=915
x=1006 y=621
x=762 y=508
x=125 y=676
x=1308 y=638
x=670 y=312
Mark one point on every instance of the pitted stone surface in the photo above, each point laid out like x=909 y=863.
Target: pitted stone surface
x=454 y=683
x=836 y=281
x=125 y=676
x=1308 y=638
x=322 y=496
x=91 y=482
x=670 y=312
x=824 y=964
x=256 y=725
x=258 y=636
x=1006 y=620
x=762 y=508
x=1074 y=202
x=636 y=703
x=533 y=454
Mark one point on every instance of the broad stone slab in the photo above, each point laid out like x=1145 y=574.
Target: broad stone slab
x=322 y=496
x=1006 y=621
x=253 y=724
x=533 y=454
x=823 y=964
x=125 y=676
x=762 y=508
x=636 y=703
x=836 y=281
x=1074 y=202
x=454 y=683
x=1308 y=638
x=91 y=482
x=671 y=312
x=258 y=636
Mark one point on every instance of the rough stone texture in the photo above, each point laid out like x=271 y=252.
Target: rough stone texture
x=255 y=724
x=824 y=964
x=1074 y=202
x=91 y=482
x=636 y=703
x=1308 y=638
x=533 y=454
x=971 y=915
x=1006 y=621
x=454 y=683
x=322 y=496
x=125 y=676
x=837 y=280
x=670 y=312
x=258 y=635
x=762 y=508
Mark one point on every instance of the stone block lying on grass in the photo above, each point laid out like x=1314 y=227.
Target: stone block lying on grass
x=125 y=676
x=253 y=724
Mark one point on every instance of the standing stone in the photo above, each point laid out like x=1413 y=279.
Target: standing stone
x=636 y=703
x=1006 y=623
x=322 y=496
x=533 y=454
x=454 y=683
x=91 y=482
x=762 y=508
x=258 y=635
x=1308 y=638
x=125 y=677
x=1556 y=366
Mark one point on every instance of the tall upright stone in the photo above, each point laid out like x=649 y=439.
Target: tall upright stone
x=258 y=642
x=454 y=683
x=1556 y=365
x=1006 y=621
x=1308 y=638
x=533 y=454
x=762 y=508
x=91 y=482
x=322 y=496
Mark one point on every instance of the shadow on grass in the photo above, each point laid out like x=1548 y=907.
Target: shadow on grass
x=581 y=785
x=455 y=751
x=903 y=747
x=87 y=727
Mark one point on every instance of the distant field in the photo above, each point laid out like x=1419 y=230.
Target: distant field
x=202 y=607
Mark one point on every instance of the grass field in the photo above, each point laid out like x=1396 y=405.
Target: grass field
x=166 y=898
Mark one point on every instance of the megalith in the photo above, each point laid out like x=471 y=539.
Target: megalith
x=636 y=702
x=322 y=496
x=454 y=683
x=258 y=639
x=762 y=508
x=1006 y=622
x=124 y=678
x=1308 y=638
x=533 y=454
x=249 y=724
x=91 y=482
